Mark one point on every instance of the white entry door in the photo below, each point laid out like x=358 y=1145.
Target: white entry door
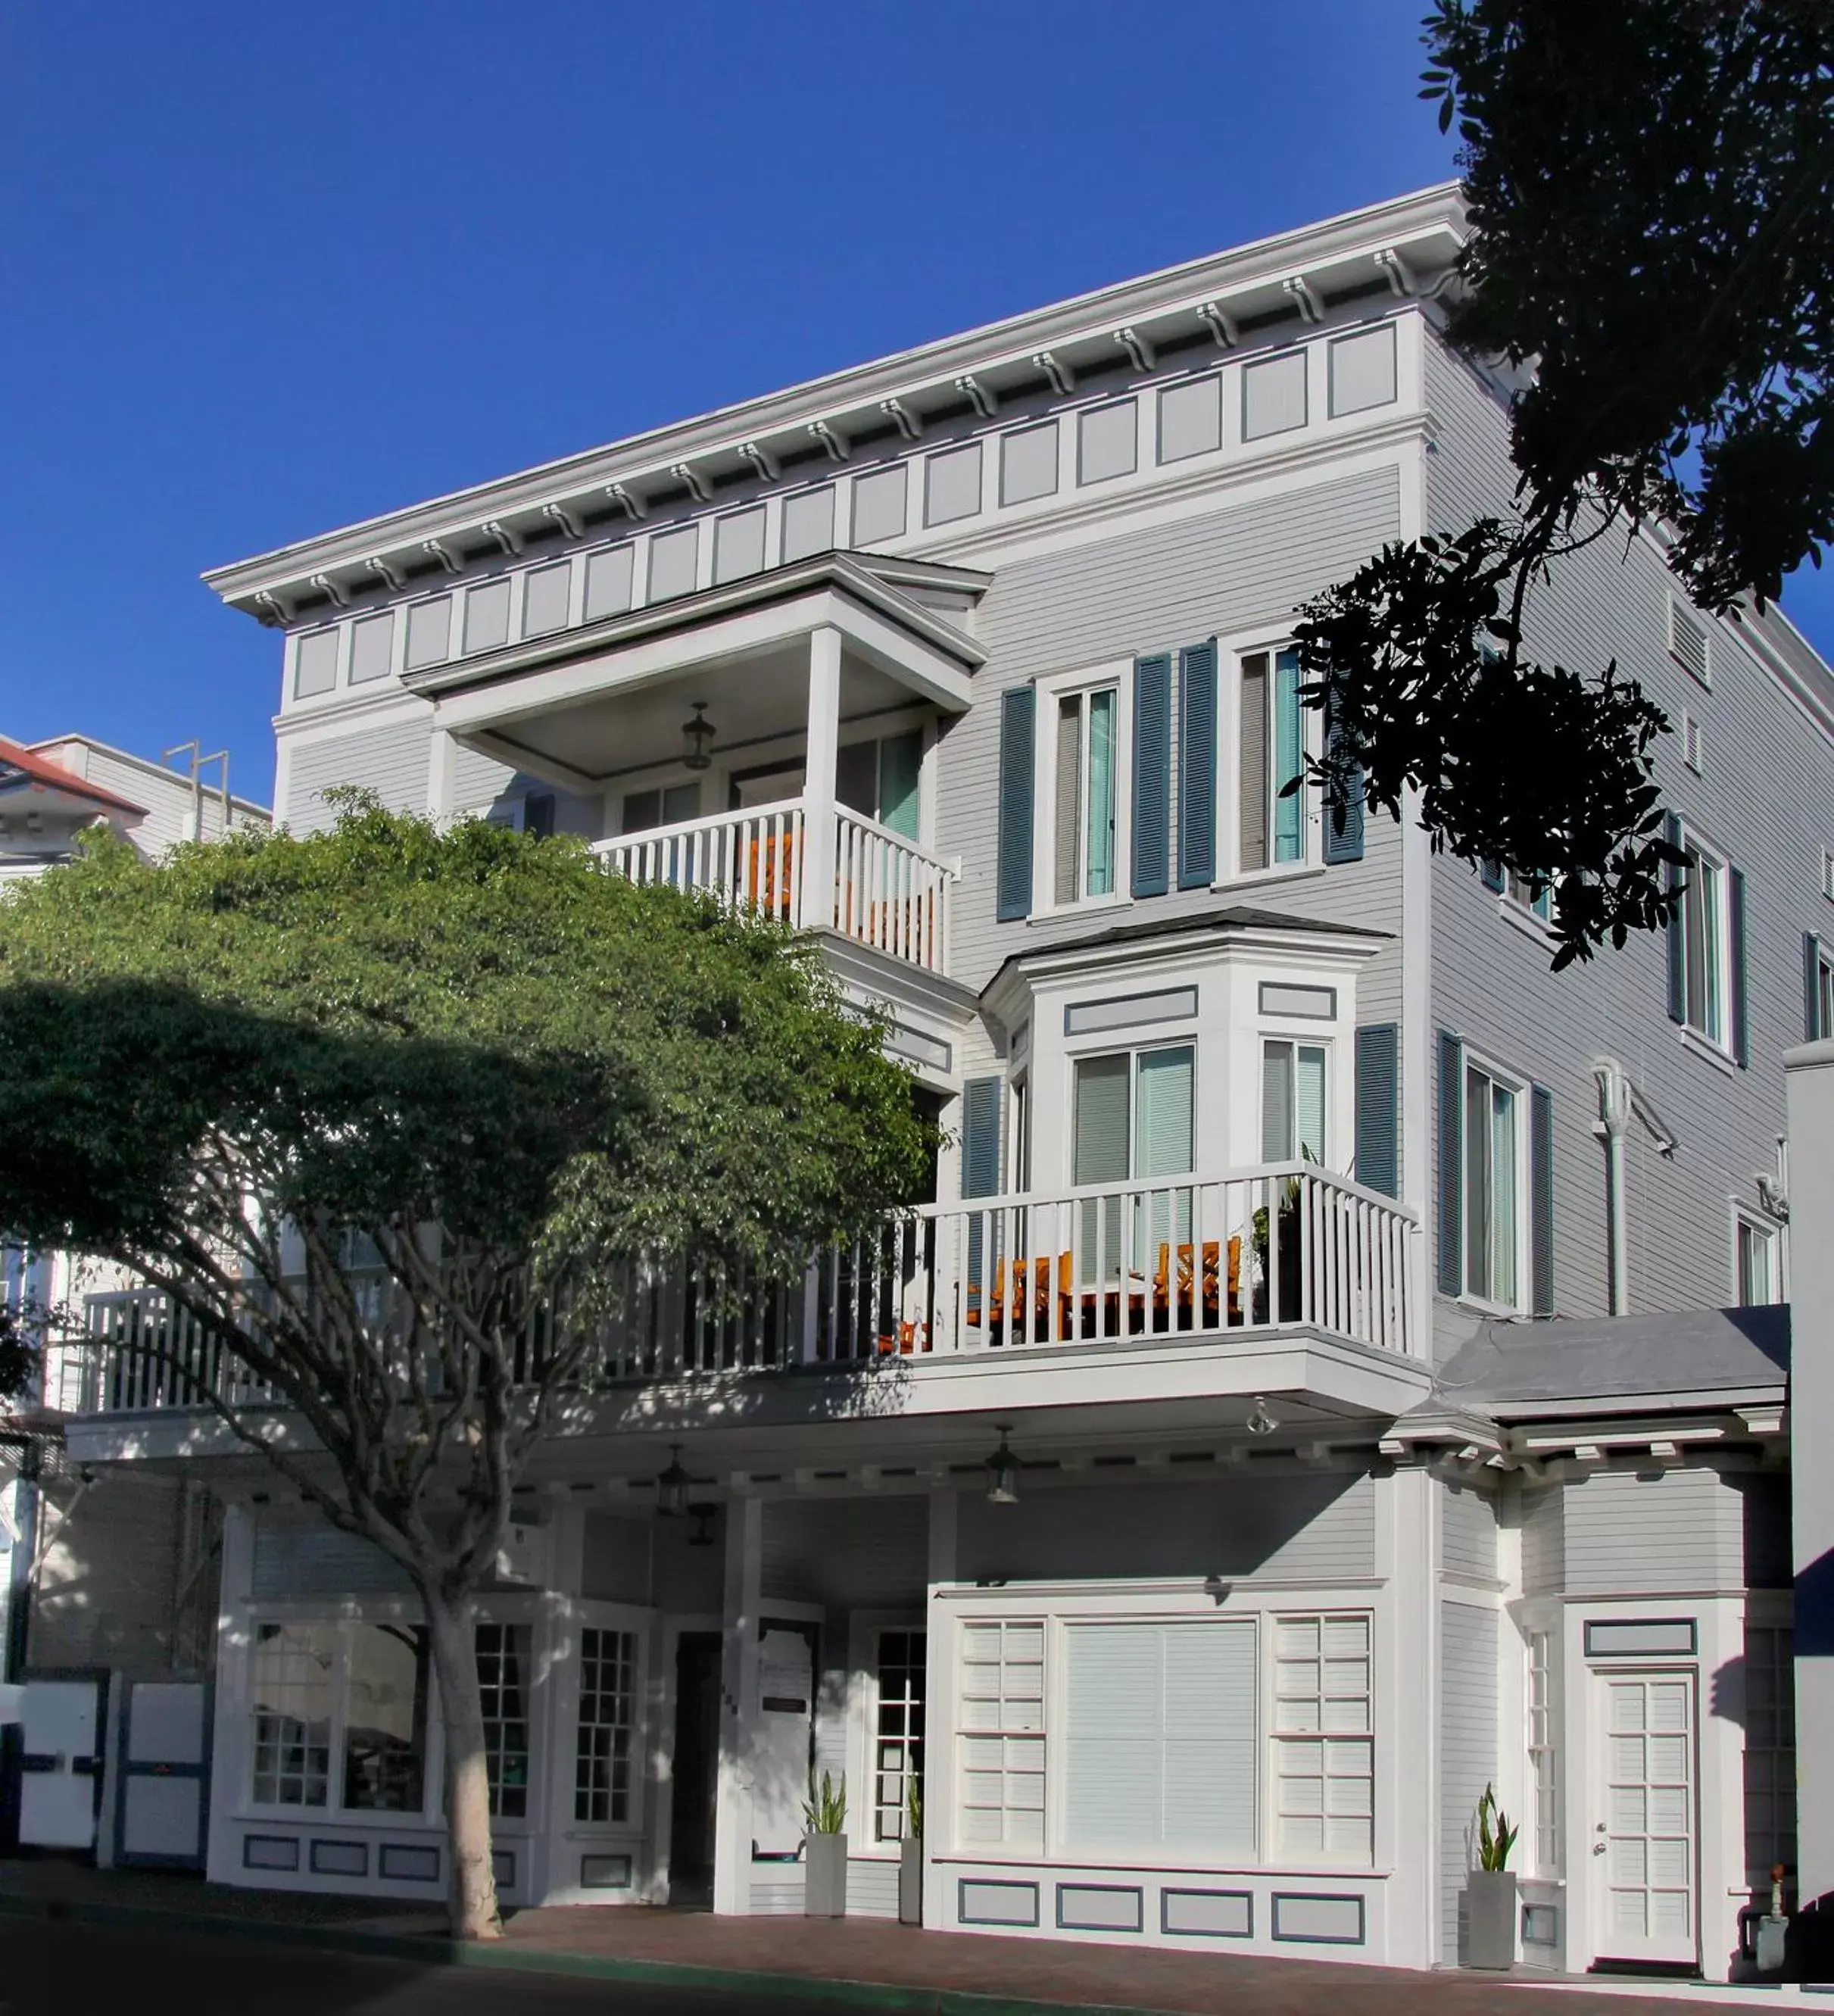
x=60 y=1765
x=1644 y=1844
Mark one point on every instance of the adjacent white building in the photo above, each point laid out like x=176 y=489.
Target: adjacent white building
x=1288 y=1201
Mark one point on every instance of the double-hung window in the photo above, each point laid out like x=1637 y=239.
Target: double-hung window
x=1494 y=1144
x=1705 y=944
x=1757 y=1261
x=340 y=1709
x=1133 y=1127
x=1293 y=1101
x=1544 y=1752
x=1085 y=796
x=1270 y=735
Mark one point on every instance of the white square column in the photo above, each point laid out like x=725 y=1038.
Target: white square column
x=822 y=760
x=732 y=1820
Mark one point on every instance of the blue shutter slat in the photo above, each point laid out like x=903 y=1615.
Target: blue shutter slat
x=1197 y=766
x=1452 y=1163
x=1343 y=823
x=1678 y=949
x=1153 y=752
x=980 y=1137
x=1812 y=1031
x=1377 y=1108
x=1019 y=711
x=1540 y=1199
x=1735 y=923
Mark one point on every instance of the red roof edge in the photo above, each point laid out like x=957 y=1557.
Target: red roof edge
x=16 y=755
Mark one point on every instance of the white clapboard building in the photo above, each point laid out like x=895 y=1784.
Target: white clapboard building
x=1287 y=1420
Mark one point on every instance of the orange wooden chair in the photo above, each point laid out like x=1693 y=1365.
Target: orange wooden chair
x=771 y=876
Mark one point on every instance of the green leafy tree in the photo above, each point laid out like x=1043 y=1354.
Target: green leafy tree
x=1651 y=194
x=507 y=1076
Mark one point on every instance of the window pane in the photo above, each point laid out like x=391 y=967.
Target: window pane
x=1164 y=1130
x=1101 y=1120
x=502 y=1682
x=601 y=1755
x=1277 y=1103
x=900 y=764
x=1477 y=1184
x=1503 y=1215
x=1289 y=760
x=1069 y=796
x=898 y=1751
x=1254 y=763
x=1309 y=1085
x=295 y=1675
x=385 y=1718
x=1102 y=708
x=1710 y=882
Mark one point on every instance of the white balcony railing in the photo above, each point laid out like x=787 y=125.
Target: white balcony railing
x=1282 y=1247
x=888 y=893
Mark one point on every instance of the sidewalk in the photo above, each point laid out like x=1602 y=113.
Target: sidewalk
x=866 y=1962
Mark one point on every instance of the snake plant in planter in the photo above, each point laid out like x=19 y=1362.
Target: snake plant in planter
x=825 y=1848
x=1489 y=1890
x=911 y=1858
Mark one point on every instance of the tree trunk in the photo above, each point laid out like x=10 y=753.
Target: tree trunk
x=473 y=1887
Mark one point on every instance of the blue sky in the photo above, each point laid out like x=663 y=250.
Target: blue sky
x=271 y=268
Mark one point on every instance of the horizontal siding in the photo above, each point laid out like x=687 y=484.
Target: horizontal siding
x=391 y=761
x=1543 y=1541
x=1766 y=797
x=481 y=784
x=1631 y=1534
x=1468 y=1749
x=320 y=1560
x=1152 y=591
x=1311 y=1528
x=1467 y=1533
x=856 y=1553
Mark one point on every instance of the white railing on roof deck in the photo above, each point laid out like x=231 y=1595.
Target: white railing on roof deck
x=1285 y=1247
x=889 y=894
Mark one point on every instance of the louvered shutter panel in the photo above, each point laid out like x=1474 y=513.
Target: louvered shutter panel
x=1378 y=1108
x=1812 y=1031
x=1540 y=1199
x=1152 y=755
x=1741 y=1002
x=1491 y=874
x=1452 y=1163
x=1343 y=821
x=1197 y=766
x=1678 y=943
x=1019 y=712
x=980 y=1137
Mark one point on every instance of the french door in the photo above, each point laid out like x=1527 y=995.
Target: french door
x=1645 y=1828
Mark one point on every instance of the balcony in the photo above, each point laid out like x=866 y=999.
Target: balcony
x=1283 y=1278
x=885 y=892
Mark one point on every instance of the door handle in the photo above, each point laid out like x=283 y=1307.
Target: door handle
x=1599 y=1847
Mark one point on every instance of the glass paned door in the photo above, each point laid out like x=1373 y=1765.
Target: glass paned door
x=1643 y=1841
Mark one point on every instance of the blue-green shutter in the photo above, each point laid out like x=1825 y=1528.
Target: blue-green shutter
x=1018 y=713
x=1812 y=1031
x=980 y=1137
x=1741 y=997
x=1451 y=1163
x=1378 y=1108
x=1343 y=820
x=1153 y=782
x=1490 y=874
x=1673 y=876
x=1540 y=1199
x=1197 y=766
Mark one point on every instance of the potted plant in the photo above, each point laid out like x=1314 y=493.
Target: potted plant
x=911 y=1858
x=1277 y=1302
x=825 y=1848
x=1489 y=1890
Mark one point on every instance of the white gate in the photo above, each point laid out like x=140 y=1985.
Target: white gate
x=164 y=1800
x=61 y=1725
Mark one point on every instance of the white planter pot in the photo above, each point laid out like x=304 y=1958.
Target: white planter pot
x=1490 y=1916
x=825 y=1875
x=910 y=1881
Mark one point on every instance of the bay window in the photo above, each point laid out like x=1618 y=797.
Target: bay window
x=339 y=1706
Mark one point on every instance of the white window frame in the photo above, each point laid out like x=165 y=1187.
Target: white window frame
x=1232 y=654
x=1721 y=949
x=1274 y=1734
x=1514 y=1083
x=1756 y=1225
x=876 y=1630
x=1052 y=690
x=1102 y=1043
x=1541 y=1718
x=1298 y=1037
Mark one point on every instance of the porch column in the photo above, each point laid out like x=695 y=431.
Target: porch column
x=823 y=753
x=745 y=1538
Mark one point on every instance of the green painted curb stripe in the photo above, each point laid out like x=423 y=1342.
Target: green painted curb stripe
x=511 y=1959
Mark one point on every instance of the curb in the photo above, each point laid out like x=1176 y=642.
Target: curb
x=509 y=1959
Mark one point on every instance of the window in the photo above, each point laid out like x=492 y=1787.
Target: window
x=1821 y=991
x=879 y=506
x=1085 y=799
x=1107 y=442
x=1544 y=1752
x=1132 y=1123
x=429 y=632
x=545 y=596
x=1292 y=1101
x=1272 y=739
x=674 y=560
x=295 y=1688
x=1362 y=370
x=608 y=583
x=1770 y=1754
x=951 y=487
x=1159 y=1738
x=1028 y=464
x=1000 y=1741
x=1756 y=1251
x=738 y=544
x=669 y=806
x=1493 y=1142
x=314 y=663
x=1828 y=873
x=1688 y=644
x=1323 y=1753
x=385 y=1718
x=1190 y=419
x=1273 y=395
x=602 y=1757
x=881 y=778
x=502 y=1683
x=1705 y=944
x=808 y=523
x=487 y=616
x=373 y=647
x=537 y=814
x=1536 y=898
x=897 y=1762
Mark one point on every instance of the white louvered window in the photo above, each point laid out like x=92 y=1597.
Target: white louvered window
x=1160 y=1736
x=1324 y=1764
x=1544 y=1750
x=1000 y=1737
x=1704 y=920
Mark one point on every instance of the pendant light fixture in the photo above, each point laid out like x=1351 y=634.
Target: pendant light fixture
x=1260 y=1421
x=671 y=1486
x=697 y=734
x=1003 y=1472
